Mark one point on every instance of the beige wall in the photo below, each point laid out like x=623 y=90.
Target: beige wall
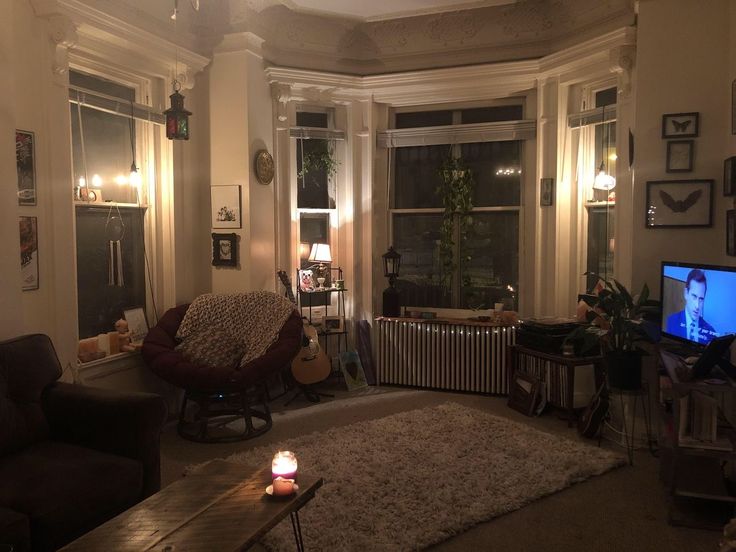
x=682 y=66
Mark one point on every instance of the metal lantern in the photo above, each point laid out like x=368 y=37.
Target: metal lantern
x=177 y=118
x=391 y=296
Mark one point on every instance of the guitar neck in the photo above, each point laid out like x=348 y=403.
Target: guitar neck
x=284 y=277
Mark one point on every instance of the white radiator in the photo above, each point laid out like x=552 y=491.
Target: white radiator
x=454 y=357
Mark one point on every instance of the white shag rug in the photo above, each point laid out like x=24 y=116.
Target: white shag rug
x=416 y=478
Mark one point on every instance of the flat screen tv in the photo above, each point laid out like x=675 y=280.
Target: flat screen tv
x=698 y=302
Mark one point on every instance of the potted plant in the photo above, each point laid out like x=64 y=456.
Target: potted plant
x=318 y=159
x=616 y=327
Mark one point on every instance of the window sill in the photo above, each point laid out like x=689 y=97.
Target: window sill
x=108 y=359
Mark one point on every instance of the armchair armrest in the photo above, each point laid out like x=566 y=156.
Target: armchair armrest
x=126 y=424
x=15 y=530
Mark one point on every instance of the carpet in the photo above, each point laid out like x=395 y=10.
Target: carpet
x=416 y=478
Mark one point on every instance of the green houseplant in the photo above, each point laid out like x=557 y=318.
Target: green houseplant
x=616 y=327
x=319 y=159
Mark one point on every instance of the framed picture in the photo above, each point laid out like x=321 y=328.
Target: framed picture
x=680 y=155
x=352 y=370
x=29 y=252
x=224 y=249
x=731 y=233
x=333 y=324
x=680 y=125
x=733 y=106
x=25 y=161
x=306 y=280
x=137 y=323
x=226 y=207
x=547 y=192
x=673 y=203
x=729 y=176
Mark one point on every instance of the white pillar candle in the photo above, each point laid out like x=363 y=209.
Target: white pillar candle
x=282 y=487
x=284 y=465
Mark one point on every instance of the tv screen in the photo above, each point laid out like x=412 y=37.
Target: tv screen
x=698 y=301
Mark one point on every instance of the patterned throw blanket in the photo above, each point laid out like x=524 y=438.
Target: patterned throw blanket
x=250 y=320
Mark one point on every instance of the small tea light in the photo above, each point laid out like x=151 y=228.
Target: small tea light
x=283 y=465
x=282 y=487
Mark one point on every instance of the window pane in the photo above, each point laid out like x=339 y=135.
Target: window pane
x=605 y=97
x=423 y=119
x=605 y=152
x=600 y=243
x=416 y=177
x=313 y=228
x=489 y=267
x=416 y=238
x=492 y=114
x=314 y=190
x=99 y=303
x=307 y=119
x=496 y=169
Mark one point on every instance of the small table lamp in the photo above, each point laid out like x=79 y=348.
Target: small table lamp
x=320 y=254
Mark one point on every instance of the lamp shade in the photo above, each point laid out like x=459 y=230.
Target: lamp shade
x=391 y=263
x=320 y=253
x=604 y=181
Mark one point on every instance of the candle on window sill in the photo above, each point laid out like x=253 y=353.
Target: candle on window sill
x=284 y=465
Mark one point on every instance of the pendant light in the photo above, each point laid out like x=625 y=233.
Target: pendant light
x=603 y=180
x=135 y=176
x=177 y=118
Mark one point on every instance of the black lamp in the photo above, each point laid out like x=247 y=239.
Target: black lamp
x=391 y=298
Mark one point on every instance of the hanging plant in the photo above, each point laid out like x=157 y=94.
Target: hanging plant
x=317 y=160
x=456 y=192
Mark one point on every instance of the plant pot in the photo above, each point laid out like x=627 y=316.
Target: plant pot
x=624 y=369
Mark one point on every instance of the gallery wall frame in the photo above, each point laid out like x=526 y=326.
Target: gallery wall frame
x=224 y=249
x=729 y=176
x=226 y=210
x=547 y=192
x=680 y=156
x=731 y=232
x=680 y=125
x=679 y=203
x=28 y=227
x=25 y=161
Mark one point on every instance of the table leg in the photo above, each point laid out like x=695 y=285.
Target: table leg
x=297 y=527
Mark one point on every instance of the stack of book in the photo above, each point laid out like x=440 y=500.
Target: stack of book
x=698 y=427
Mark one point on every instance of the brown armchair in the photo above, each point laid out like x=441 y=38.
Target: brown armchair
x=71 y=457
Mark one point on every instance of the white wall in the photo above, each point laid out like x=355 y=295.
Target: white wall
x=682 y=66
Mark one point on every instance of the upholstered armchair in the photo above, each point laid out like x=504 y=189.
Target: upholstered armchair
x=71 y=457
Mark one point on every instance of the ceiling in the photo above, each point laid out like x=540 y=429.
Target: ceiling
x=379 y=10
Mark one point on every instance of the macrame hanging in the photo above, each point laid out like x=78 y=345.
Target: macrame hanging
x=114 y=232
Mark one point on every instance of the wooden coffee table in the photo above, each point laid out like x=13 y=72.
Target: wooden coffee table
x=223 y=506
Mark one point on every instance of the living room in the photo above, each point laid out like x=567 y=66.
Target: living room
x=573 y=88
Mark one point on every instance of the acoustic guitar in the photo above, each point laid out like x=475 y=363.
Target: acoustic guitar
x=311 y=365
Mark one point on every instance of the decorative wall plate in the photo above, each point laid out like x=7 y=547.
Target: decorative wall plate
x=264 y=167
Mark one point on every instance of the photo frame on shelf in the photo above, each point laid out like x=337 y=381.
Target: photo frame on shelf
x=137 y=324
x=680 y=125
x=547 y=192
x=306 y=280
x=352 y=370
x=731 y=232
x=729 y=176
x=333 y=324
x=679 y=203
x=25 y=161
x=226 y=211
x=680 y=156
x=224 y=249
x=29 y=252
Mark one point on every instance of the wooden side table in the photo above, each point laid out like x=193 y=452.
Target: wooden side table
x=565 y=362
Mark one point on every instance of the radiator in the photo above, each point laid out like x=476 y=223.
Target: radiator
x=454 y=357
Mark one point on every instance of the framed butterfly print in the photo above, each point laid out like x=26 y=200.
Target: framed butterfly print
x=679 y=203
x=680 y=125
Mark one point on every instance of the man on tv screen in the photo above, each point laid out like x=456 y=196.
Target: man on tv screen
x=689 y=322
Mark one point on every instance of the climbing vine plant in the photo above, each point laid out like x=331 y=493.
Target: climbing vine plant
x=456 y=192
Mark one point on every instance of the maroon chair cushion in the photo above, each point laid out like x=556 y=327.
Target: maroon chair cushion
x=169 y=364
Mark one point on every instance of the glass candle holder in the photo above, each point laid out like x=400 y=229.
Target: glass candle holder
x=284 y=465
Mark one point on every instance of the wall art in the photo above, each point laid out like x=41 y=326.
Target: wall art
x=226 y=207
x=731 y=232
x=680 y=155
x=673 y=203
x=29 y=252
x=547 y=192
x=729 y=176
x=25 y=160
x=680 y=125
x=224 y=249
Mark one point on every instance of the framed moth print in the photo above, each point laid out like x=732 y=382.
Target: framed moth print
x=29 y=252
x=226 y=207
x=680 y=155
x=679 y=203
x=680 y=125
x=25 y=161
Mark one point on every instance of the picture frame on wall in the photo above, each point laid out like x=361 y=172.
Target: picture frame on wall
x=547 y=192
x=680 y=156
x=224 y=249
x=680 y=125
x=731 y=232
x=733 y=106
x=729 y=176
x=226 y=212
x=25 y=161
x=679 y=203
x=28 y=227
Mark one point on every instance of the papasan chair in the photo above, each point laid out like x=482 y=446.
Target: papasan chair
x=222 y=349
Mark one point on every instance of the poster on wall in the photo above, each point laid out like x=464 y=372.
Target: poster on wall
x=25 y=160
x=226 y=207
x=29 y=252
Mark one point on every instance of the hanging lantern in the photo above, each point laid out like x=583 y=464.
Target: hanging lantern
x=177 y=118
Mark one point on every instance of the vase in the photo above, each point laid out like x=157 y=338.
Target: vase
x=624 y=369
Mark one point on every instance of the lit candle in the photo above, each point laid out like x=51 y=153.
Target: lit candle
x=283 y=486
x=284 y=465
